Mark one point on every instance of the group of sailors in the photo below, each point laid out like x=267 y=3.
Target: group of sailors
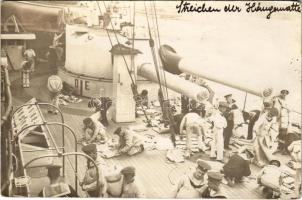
x=94 y=132
x=96 y=183
x=123 y=183
x=267 y=130
x=264 y=132
x=225 y=121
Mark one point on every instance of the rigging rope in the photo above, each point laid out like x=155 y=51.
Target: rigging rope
x=133 y=84
x=166 y=108
x=159 y=44
x=133 y=35
x=106 y=29
x=118 y=42
x=151 y=43
x=156 y=46
x=154 y=8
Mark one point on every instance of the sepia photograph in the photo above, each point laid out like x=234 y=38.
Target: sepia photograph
x=151 y=99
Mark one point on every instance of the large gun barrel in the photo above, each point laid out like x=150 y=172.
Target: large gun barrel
x=227 y=75
x=247 y=78
x=174 y=82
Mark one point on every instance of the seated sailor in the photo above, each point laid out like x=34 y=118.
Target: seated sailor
x=269 y=178
x=238 y=166
x=93 y=186
x=214 y=190
x=193 y=184
x=94 y=131
x=57 y=188
x=129 y=143
x=115 y=182
x=132 y=188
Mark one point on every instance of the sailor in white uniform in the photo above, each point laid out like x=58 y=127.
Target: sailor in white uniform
x=193 y=185
x=219 y=123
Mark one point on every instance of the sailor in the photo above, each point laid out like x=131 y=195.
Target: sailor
x=106 y=103
x=56 y=39
x=89 y=182
x=199 y=107
x=52 y=57
x=295 y=153
x=205 y=97
x=30 y=55
x=141 y=101
x=193 y=184
x=283 y=117
x=129 y=143
x=26 y=65
x=230 y=101
x=115 y=183
x=219 y=123
x=269 y=178
x=57 y=188
x=67 y=96
x=55 y=52
x=265 y=122
x=240 y=129
x=131 y=187
x=278 y=182
x=253 y=116
x=207 y=138
x=267 y=99
x=202 y=82
x=94 y=130
x=144 y=98
x=293 y=134
x=107 y=18
x=229 y=116
x=192 y=123
x=295 y=163
x=54 y=85
x=102 y=106
x=238 y=166
x=266 y=134
x=214 y=190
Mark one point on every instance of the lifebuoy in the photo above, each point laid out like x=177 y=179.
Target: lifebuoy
x=54 y=84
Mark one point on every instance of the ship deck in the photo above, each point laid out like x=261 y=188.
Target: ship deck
x=154 y=171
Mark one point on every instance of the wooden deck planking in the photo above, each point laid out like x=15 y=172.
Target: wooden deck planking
x=152 y=168
x=151 y=171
